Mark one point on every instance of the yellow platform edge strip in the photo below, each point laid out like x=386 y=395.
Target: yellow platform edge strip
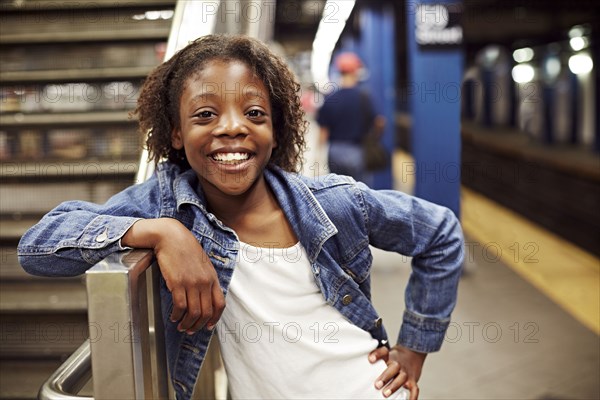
x=565 y=273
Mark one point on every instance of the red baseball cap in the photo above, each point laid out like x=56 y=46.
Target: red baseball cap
x=348 y=62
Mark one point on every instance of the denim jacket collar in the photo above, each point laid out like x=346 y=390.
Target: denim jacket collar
x=186 y=190
x=311 y=224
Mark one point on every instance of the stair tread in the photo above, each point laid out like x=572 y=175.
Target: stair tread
x=51 y=295
x=96 y=117
x=85 y=5
x=81 y=74
x=90 y=36
x=42 y=335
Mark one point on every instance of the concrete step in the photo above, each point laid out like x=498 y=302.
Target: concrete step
x=42 y=336
x=43 y=295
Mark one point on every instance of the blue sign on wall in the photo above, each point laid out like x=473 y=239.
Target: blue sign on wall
x=435 y=72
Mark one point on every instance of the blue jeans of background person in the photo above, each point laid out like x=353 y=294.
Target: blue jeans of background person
x=347 y=159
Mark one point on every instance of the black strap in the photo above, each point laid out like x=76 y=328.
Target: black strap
x=367 y=113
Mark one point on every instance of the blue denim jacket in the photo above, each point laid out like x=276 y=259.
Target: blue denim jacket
x=334 y=218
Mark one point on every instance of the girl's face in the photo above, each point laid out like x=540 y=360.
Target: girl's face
x=226 y=127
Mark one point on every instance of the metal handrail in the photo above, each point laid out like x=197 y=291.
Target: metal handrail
x=122 y=305
x=128 y=349
x=70 y=377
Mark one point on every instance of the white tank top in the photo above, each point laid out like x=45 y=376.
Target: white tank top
x=281 y=340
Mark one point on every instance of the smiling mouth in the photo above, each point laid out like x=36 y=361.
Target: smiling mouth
x=230 y=158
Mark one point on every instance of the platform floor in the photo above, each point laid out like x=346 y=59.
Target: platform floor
x=507 y=339
x=526 y=323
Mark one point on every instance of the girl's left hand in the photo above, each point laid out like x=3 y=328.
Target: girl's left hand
x=403 y=369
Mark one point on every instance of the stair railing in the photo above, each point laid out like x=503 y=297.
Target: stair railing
x=126 y=349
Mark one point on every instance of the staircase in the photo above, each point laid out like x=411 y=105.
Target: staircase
x=70 y=73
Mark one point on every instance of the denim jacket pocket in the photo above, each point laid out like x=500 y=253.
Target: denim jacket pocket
x=358 y=266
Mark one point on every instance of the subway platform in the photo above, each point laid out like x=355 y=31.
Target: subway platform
x=526 y=323
x=507 y=339
x=527 y=320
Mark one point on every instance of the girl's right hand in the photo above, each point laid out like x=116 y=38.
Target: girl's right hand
x=403 y=369
x=190 y=276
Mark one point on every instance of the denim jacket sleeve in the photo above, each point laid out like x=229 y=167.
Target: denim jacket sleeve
x=432 y=236
x=76 y=234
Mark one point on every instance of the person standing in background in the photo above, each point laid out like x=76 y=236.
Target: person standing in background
x=346 y=117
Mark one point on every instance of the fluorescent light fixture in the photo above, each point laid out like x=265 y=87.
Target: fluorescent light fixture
x=581 y=63
x=333 y=21
x=523 y=55
x=153 y=15
x=166 y=14
x=523 y=73
x=577 y=43
x=491 y=54
x=576 y=31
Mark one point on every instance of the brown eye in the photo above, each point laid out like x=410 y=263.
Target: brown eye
x=205 y=114
x=255 y=113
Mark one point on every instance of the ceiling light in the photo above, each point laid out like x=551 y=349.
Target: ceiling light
x=523 y=55
x=523 y=73
x=577 y=43
x=581 y=63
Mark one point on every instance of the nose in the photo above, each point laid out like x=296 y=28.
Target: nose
x=231 y=123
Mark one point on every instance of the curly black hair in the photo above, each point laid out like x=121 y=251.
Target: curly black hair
x=158 y=104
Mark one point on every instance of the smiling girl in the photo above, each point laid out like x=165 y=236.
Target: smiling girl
x=226 y=130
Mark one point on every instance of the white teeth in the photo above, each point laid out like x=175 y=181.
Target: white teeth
x=231 y=158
